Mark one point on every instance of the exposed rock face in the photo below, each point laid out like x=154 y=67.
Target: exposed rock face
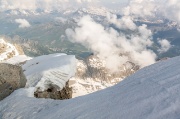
x=96 y=69
x=19 y=49
x=11 y=78
x=8 y=50
x=92 y=75
x=53 y=93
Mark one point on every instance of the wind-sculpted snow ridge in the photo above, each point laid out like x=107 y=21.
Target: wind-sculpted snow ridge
x=151 y=93
x=7 y=50
x=49 y=70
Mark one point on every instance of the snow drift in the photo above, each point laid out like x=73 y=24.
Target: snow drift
x=49 y=70
x=151 y=93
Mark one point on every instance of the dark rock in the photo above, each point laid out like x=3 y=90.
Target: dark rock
x=53 y=93
x=11 y=78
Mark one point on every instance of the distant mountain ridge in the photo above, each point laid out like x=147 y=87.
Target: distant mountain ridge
x=92 y=75
x=8 y=50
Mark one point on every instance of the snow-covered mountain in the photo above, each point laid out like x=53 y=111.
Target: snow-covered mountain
x=151 y=93
x=91 y=10
x=92 y=76
x=11 y=53
x=55 y=70
x=7 y=50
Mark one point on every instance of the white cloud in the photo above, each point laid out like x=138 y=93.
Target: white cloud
x=81 y=1
x=44 y=5
x=136 y=8
x=109 y=45
x=23 y=23
x=165 y=45
x=31 y=5
x=18 y=4
x=171 y=10
x=140 y=8
x=50 y=5
x=125 y=22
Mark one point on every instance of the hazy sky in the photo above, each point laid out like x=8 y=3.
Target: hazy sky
x=33 y=4
x=63 y=4
x=114 y=3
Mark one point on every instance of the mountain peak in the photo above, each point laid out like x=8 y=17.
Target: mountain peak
x=7 y=50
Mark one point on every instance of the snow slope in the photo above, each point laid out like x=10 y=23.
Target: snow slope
x=53 y=69
x=17 y=60
x=151 y=93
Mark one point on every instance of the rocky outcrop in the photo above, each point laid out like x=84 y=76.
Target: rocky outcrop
x=93 y=67
x=19 y=49
x=7 y=50
x=92 y=75
x=53 y=93
x=11 y=78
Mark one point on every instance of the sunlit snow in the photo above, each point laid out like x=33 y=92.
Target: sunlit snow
x=54 y=69
x=150 y=93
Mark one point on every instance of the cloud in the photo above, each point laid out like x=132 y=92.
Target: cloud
x=51 y=5
x=140 y=8
x=44 y=5
x=115 y=48
x=171 y=10
x=81 y=1
x=168 y=9
x=125 y=22
x=136 y=8
x=17 y=4
x=23 y=23
x=30 y=5
x=165 y=45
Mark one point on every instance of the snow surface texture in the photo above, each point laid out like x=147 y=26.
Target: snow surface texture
x=49 y=70
x=9 y=50
x=16 y=60
x=151 y=93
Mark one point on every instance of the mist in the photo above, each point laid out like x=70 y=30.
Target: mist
x=115 y=48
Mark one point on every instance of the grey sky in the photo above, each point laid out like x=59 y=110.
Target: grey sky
x=56 y=4
x=114 y=3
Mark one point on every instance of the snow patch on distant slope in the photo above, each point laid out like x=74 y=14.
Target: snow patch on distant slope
x=49 y=70
x=7 y=50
